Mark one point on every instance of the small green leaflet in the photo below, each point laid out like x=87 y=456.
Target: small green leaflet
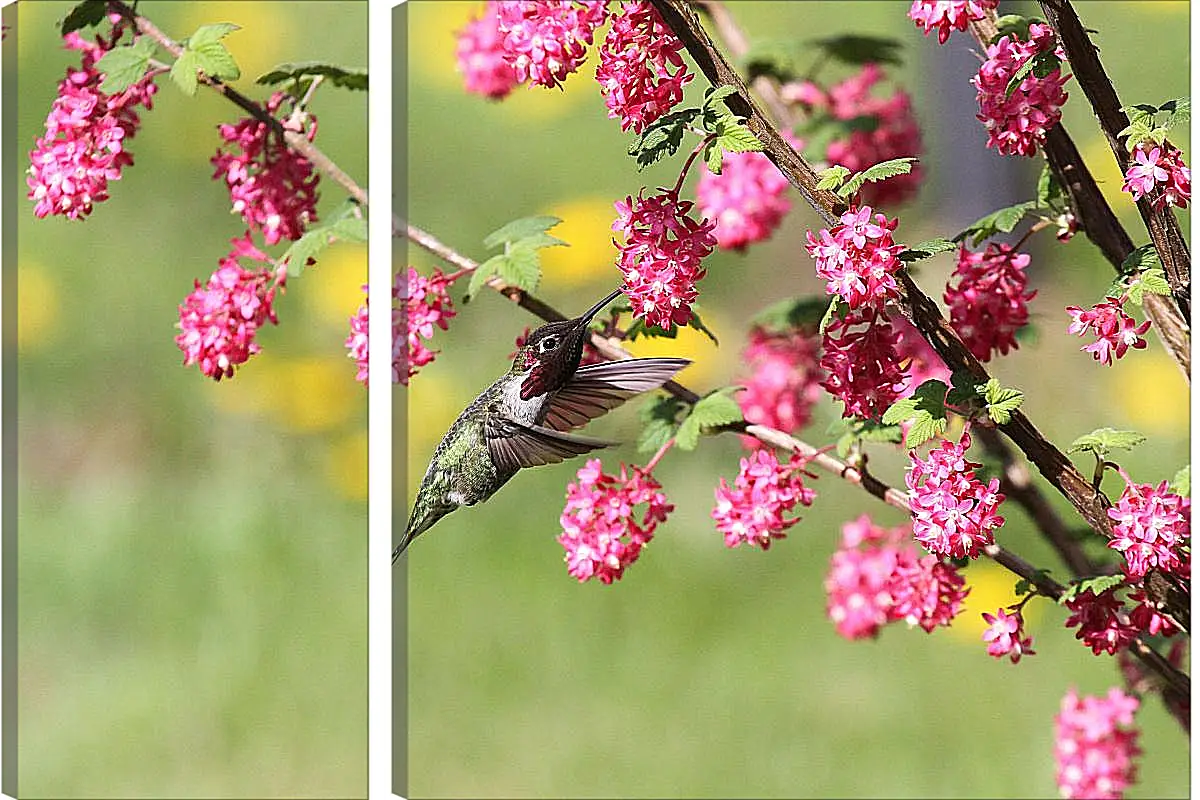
x=877 y=172
x=1098 y=586
x=84 y=15
x=659 y=416
x=346 y=229
x=663 y=137
x=519 y=265
x=1013 y=25
x=204 y=51
x=1181 y=484
x=926 y=249
x=730 y=133
x=524 y=228
x=792 y=314
x=125 y=66
x=1143 y=123
x=1142 y=258
x=926 y=409
x=1103 y=441
x=837 y=306
x=715 y=409
x=832 y=178
x=1000 y=221
x=1040 y=64
x=1049 y=190
x=1001 y=401
x=353 y=78
x=858 y=50
x=964 y=392
x=1026 y=586
x=638 y=328
x=855 y=430
x=1153 y=281
x=1145 y=268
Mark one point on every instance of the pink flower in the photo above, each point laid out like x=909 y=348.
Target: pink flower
x=948 y=15
x=1102 y=622
x=857 y=590
x=85 y=144
x=272 y=186
x=1161 y=168
x=1095 y=744
x=784 y=378
x=1152 y=526
x=954 y=513
x=426 y=304
x=660 y=256
x=1006 y=636
x=858 y=259
x=1018 y=123
x=218 y=322
x=861 y=363
x=746 y=200
x=641 y=71
x=546 y=40
x=1116 y=330
x=926 y=591
x=751 y=511
x=988 y=300
x=481 y=60
x=600 y=531
x=1147 y=616
x=358 y=341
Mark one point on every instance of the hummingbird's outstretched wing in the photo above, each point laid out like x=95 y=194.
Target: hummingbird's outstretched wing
x=513 y=446
x=598 y=388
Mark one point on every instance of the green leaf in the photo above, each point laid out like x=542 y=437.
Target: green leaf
x=520 y=266
x=926 y=410
x=1098 y=585
x=837 y=306
x=663 y=137
x=480 y=276
x=1178 y=112
x=216 y=61
x=926 y=249
x=347 y=229
x=737 y=138
x=1022 y=72
x=1000 y=221
x=1026 y=586
x=1103 y=441
x=857 y=50
x=211 y=34
x=84 y=15
x=519 y=229
x=803 y=313
x=638 y=328
x=713 y=96
x=713 y=156
x=698 y=324
x=877 y=172
x=183 y=72
x=1181 y=484
x=832 y=178
x=1001 y=401
x=1049 y=191
x=125 y=66
x=1142 y=258
x=659 y=416
x=715 y=409
x=856 y=430
x=964 y=392
x=1012 y=25
x=1153 y=281
x=353 y=78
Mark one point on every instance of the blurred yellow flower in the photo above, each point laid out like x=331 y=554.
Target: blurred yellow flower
x=303 y=394
x=710 y=365
x=587 y=227
x=333 y=288
x=1151 y=391
x=991 y=588
x=347 y=464
x=37 y=306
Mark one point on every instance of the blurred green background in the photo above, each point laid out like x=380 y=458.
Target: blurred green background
x=714 y=673
x=192 y=587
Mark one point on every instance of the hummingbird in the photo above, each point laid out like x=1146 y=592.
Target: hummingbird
x=524 y=419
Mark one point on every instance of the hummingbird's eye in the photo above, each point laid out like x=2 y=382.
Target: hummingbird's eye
x=548 y=344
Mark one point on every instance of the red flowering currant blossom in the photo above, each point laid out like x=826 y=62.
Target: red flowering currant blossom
x=358 y=342
x=1160 y=174
x=272 y=186
x=861 y=364
x=641 y=70
x=784 y=382
x=480 y=52
x=1095 y=744
x=660 y=256
x=926 y=591
x=1147 y=616
x=1006 y=636
x=987 y=299
x=1018 y=123
x=746 y=200
x=600 y=530
x=1116 y=331
x=1103 y=624
x=85 y=144
x=218 y=323
x=546 y=40
x=954 y=513
x=918 y=360
x=1152 y=525
x=948 y=15
x=427 y=304
x=751 y=511
x=858 y=259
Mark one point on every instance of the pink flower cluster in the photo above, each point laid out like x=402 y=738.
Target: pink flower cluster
x=218 y=323
x=919 y=361
x=480 y=52
x=858 y=259
x=746 y=201
x=954 y=513
x=1115 y=330
x=600 y=531
x=1018 y=123
x=861 y=365
x=948 y=15
x=358 y=342
x=1161 y=175
x=751 y=511
x=876 y=576
x=987 y=299
x=272 y=186
x=641 y=71
x=427 y=304
x=1006 y=636
x=1147 y=616
x=85 y=144
x=660 y=256
x=784 y=379
x=1103 y=624
x=1152 y=525
x=546 y=40
x=1095 y=744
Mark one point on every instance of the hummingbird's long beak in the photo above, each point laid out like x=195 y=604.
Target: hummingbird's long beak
x=586 y=316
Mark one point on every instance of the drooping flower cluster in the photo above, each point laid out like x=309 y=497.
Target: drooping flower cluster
x=919 y=361
x=1152 y=525
x=1147 y=615
x=987 y=299
x=948 y=15
x=641 y=70
x=1095 y=744
x=783 y=385
x=358 y=342
x=954 y=513
x=877 y=576
x=546 y=40
x=601 y=532
x=1160 y=174
x=480 y=53
x=86 y=141
x=857 y=258
x=219 y=321
x=746 y=200
x=1103 y=624
x=660 y=256
x=1018 y=123
x=271 y=185
x=858 y=355
x=1115 y=330
x=751 y=511
x=427 y=304
x=1006 y=635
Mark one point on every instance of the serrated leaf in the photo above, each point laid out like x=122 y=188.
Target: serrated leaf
x=663 y=137
x=1021 y=73
x=925 y=410
x=183 y=72
x=794 y=313
x=125 y=66
x=1045 y=63
x=658 y=417
x=713 y=157
x=737 y=138
x=1002 y=401
x=965 y=391
x=1142 y=258
x=209 y=34
x=856 y=429
x=1181 y=484
x=347 y=229
x=84 y=15
x=877 y=172
x=1153 y=281
x=1098 y=586
x=857 y=50
x=638 y=328
x=353 y=78
x=715 y=95
x=1002 y=220
x=1049 y=191
x=1012 y=25
x=926 y=249
x=831 y=178
x=216 y=61
x=480 y=276
x=1103 y=441
x=520 y=266
x=1178 y=111
x=1136 y=132
x=713 y=410
x=519 y=229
